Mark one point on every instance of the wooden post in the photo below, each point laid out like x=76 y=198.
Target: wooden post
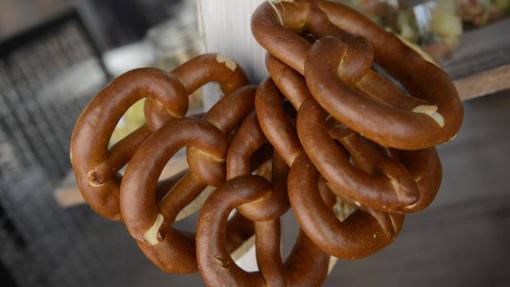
x=225 y=28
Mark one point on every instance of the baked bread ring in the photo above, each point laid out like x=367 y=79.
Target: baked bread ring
x=360 y=235
x=203 y=69
x=338 y=73
x=248 y=139
x=96 y=167
x=306 y=266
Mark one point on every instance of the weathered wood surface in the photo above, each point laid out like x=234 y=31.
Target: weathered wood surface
x=484 y=83
x=21 y=15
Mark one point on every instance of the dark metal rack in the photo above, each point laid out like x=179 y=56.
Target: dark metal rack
x=47 y=75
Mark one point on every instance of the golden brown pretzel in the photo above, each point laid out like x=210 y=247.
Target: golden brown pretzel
x=248 y=139
x=360 y=235
x=289 y=82
x=194 y=74
x=206 y=168
x=338 y=73
x=265 y=210
x=274 y=123
x=334 y=236
x=389 y=187
x=422 y=166
x=237 y=102
x=225 y=115
x=95 y=166
x=306 y=266
x=343 y=146
x=316 y=217
x=168 y=248
x=139 y=207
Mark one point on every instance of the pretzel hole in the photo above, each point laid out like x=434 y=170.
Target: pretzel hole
x=175 y=165
x=246 y=256
x=132 y=119
x=189 y=214
x=381 y=71
x=289 y=233
x=343 y=210
x=388 y=90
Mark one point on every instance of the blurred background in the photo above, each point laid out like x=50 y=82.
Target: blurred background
x=57 y=54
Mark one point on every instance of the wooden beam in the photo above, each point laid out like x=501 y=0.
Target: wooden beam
x=484 y=83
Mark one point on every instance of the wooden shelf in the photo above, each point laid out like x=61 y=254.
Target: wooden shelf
x=18 y=16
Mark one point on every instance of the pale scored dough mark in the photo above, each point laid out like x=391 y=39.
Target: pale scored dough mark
x=278 y=13
x=94 y=179
x=394 y=224
x=395 y=185
x=227 y=61
x=152 y=236
x=431 y=111
x=208 y=155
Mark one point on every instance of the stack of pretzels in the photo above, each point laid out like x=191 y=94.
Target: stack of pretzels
x=341 y=145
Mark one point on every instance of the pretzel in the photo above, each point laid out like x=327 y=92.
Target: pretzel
x=338 y=73
x=312 y=212
x=306 y=266
x=423 y=166
x=194 y=74
x=341 y=134
x=394 y=190
x=416 y=185
x=240 y=103
x=168 y=248
x=95 y=166
x=264 y=210
x=274 y=123
x=360 y=235
x=147 y=221
x=248 y=139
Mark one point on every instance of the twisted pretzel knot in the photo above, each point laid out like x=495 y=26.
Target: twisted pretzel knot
x=370 y=143
x=326 y=131
x=338 y=73
x=95 y=166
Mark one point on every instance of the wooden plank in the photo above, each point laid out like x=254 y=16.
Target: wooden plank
x=18 y=16
x=484 y=83
x=225 y=28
